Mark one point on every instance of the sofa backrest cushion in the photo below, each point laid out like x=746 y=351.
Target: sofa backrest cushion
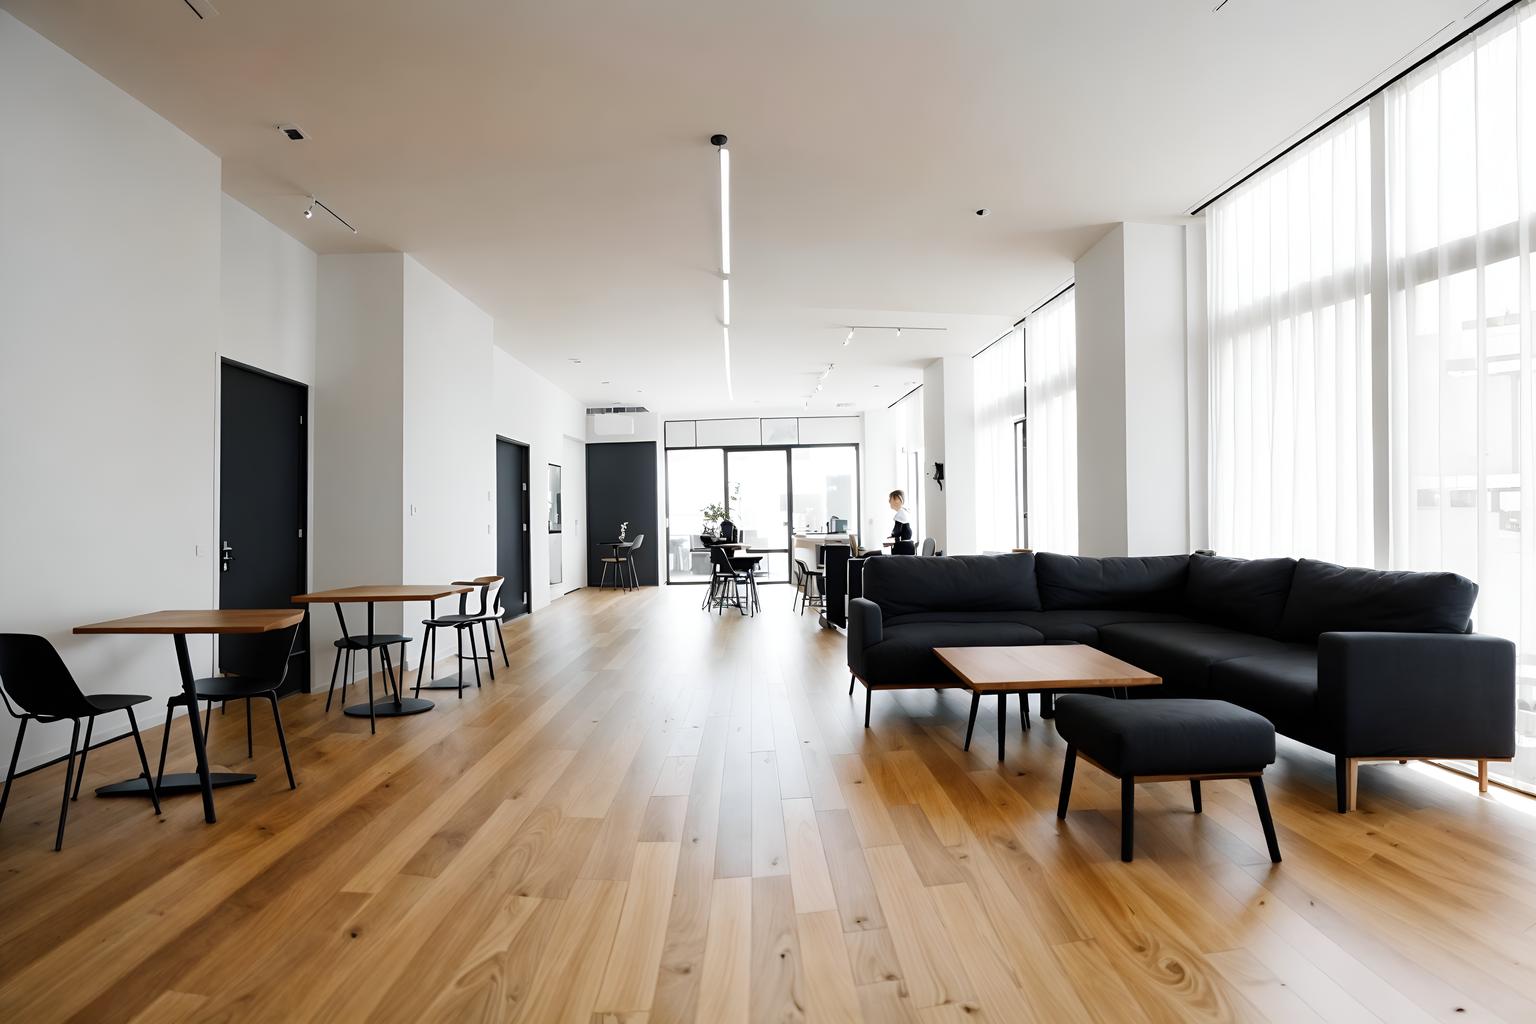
x=904 y=584
x=1240 y=593
x=1153 y=583
x=1327 y=598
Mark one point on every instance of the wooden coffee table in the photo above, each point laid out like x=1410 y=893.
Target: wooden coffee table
x=1036 y=669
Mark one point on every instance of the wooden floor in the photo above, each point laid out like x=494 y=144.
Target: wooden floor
x=658 y=815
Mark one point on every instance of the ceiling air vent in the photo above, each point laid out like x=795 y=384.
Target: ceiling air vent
x=600 y=410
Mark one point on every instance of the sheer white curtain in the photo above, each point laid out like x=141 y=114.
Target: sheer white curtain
x=1461 y=188
x=1290 y=354
x=999 y=371
x=1050 y=353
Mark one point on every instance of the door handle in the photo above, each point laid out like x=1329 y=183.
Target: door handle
x=226 y=555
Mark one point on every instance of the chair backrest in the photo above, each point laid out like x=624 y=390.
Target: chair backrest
x=639 y=540
x=928 y=546
x=260 y=655
x=728 y=531
x=36 y=679
x=484 y=583
x=720 y=558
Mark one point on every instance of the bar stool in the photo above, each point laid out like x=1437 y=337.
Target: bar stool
x=805 y=579
x=619 y=560
x=490 y=608
x=725 y=585
x=261 y=664
x=36 y=678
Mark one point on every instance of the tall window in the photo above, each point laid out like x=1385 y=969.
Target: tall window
x=1461 y=202
x=1050 y=344
x=1290 y=355
x=999 y=372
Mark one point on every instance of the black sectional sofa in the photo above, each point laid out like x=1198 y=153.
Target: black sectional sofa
x=1363 y=664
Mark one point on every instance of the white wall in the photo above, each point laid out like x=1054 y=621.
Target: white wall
x=959 y=457
x=531 y=410
x=1132 y=386
x=359 y=429
x=935 y=512
x=449 y=440
x=111 y=326
x=267 y=295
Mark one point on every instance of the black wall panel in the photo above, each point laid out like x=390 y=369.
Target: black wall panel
x=621 y=487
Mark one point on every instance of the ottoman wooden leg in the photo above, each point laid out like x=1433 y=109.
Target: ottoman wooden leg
x=1127 y=816
x=1002 y=723
x=1194 y=793
x=1262 y=802
x=1066 y=781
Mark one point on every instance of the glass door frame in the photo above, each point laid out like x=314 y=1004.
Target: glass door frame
x=789 y=483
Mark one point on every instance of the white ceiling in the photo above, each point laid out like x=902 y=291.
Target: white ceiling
x=550 y=159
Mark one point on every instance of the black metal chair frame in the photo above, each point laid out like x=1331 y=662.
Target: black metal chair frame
x=367 y=642
x=490 y=611
x=804 y=576
x=626 y=575
x=265 y=682
x=73 y=705
x=726 y=581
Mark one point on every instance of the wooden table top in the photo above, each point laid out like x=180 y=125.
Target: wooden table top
x=212 y=620
x=379 y=594
x=1046 y=666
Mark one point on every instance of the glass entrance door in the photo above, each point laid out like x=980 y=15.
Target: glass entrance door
x=760 y=508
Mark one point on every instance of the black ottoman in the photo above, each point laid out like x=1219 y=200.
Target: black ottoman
x=1163 y=741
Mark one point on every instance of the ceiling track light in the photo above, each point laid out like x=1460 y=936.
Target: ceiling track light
x=898 y=328
x=719 y=142
x=309 y=213
x=848 y=340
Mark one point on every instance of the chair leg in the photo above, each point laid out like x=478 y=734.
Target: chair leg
x=149 y=780
x=208 y=721
x=1127 y=817
x=501 y=645
x=1194 y=794
x=165 y=739
x=346 y=679
x=474 y=652
x=373 y=724
x=970 y=725
x=458 y=634
x=10 y=773
x=1068 y=768
x=282 y=741
x=90 y=725
x=69 y=778
x=1261 y=801
x=490 y=662
x=603 y=580
x=332 y=690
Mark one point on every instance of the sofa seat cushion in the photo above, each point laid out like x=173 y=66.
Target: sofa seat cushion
x=1328 y=598
x=1240 y=593
x=905 y=656
x=1281 y=686
x=1165 y=737
x=962 y=583
x=1181 y=652
x=1082 y=627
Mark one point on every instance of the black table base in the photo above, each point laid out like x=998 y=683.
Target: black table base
x=387 y=707
x=176 y=784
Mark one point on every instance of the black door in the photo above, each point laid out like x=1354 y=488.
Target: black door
x=263 y=505
x=512 y=536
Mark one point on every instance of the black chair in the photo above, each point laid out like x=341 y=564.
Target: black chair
x=634 y=575
x=731 y=582
x=619 y=561
x=807 y=580
x=929 y=548
x=36 y=678
x=347 y=646
x=255 y=667
x=466 y=621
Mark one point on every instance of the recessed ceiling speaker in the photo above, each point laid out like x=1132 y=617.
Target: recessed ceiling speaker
x=718 y=140
x=293 y=131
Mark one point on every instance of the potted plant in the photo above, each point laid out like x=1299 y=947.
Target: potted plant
x=712 y=513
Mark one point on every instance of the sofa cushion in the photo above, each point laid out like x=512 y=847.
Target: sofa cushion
x=1181 y=652
x=1281 y=686
x=1145 y=584
x=1082 y=626
x=1165 y=737
x=1328 y=598
x=905 y=656
x=962 y=583
x=1246 y=594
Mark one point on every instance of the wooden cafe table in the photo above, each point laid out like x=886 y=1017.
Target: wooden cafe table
x=399 y=704
x=180 y=624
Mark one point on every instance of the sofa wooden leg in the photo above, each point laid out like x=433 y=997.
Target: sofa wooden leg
x=1346 y=779
x=868 y=695
x=1482 y=775
x=851 y=678
x=1127 y=817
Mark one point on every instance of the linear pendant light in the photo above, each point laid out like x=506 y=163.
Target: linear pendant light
x=719 y=142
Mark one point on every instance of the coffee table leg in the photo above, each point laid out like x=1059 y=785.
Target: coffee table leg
x=1002 y=723
x=970 y=726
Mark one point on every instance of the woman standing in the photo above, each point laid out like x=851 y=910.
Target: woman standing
x=900 y=540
